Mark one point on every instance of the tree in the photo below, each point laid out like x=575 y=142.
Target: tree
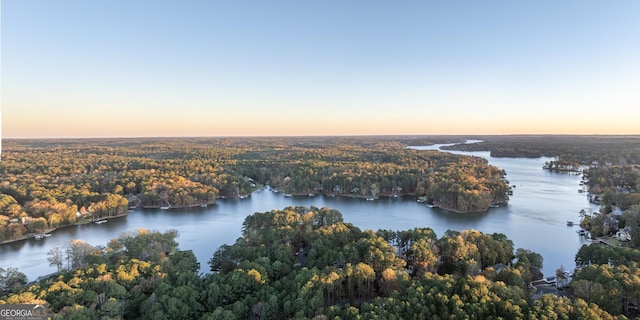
x=11 y=279
x=389 y=282
x=148 y=245
x=174 y=302
x=458 y=255
x=56 y=257
x=15 y=230
x=222 y=261
x=38 y=225
x=364 y=276
x=632 y=217
x=77 y=251
x=424 y=254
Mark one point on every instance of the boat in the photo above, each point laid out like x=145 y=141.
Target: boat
x=165 y=207
x=311 y=194
x=370 y=199
x=204 y=205
x=287 y=194
x=47 y=235
x=101 y=221
x=431 y=205
x=582 y=232
x=569 y=223
x=39 y=236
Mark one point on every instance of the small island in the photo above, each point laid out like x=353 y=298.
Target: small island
x=563 y=165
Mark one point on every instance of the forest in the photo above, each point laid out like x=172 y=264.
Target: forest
x=580 y=149
x=307 y=263
x=45 y=184
x=610 y=169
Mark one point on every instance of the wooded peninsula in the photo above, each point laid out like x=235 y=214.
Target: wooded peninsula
x=46 y=184
x=307 y=263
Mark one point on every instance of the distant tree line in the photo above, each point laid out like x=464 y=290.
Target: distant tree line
x=582 y=149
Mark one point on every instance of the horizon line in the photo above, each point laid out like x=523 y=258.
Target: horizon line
x=327 y=136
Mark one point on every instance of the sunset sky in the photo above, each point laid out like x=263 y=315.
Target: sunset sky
x=116 y=68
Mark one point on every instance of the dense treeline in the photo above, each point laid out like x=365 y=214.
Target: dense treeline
x=615 y=188
x=608 y=276
x=303 y=263
x=581 y=149
x=118 y=281
x=45 y=184
x=618 y=184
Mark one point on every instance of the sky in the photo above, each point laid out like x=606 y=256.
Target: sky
x=120 y=68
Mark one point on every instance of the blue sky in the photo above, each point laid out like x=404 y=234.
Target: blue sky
x=223 y=68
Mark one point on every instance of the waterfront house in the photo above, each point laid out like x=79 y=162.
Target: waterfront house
x=499 y=267
x=616 y=211
x=549 y=290
x=623 y=234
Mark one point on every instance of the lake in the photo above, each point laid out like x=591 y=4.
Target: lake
x=535 y=219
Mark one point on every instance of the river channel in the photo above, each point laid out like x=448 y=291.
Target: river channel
x=535 y=218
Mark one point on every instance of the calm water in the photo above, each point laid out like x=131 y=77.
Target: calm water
x=534 y=219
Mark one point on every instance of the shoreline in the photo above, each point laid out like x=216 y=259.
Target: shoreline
x=178 y=207
x=51 y=230
x=390 y=196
